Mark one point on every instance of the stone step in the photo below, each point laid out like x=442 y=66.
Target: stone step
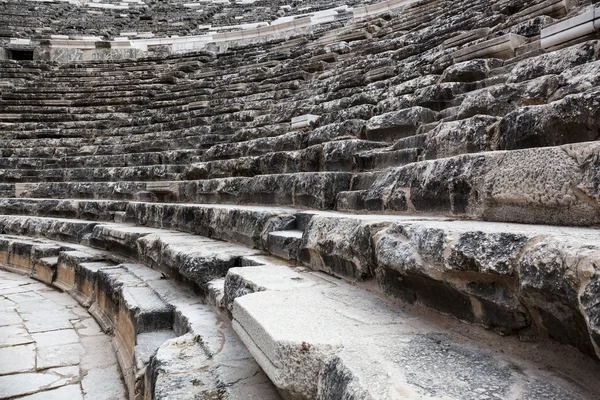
x=332 y=156
x=380 y=159
x=432 y=185
x=183 y=156
x=488 y=186
x=285 y=244
x=44 y=148
x=346 y=342
x=165 y=340
x=420 y=260
x=34 y=257
x=45 y=269
x=310 y=189
x=100 y=174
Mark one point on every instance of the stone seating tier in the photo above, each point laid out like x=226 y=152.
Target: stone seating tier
x=439 y=157
x=155 y=318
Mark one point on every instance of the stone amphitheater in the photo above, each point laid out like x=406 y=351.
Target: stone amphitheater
x=273 y=199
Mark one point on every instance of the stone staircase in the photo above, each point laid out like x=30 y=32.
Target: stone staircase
x=403 y=206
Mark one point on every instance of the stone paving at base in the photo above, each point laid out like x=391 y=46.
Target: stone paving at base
x=50 y=346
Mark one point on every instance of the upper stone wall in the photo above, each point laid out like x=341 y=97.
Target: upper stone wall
x=108 y=19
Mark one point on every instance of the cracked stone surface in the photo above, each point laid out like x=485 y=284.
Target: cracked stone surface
x=50 y=347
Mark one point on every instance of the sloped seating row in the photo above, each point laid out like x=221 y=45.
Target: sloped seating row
x=376 y=127
x=435 y=156
x=549 y=182
x=166 y=337
x=152 y=317
x=482 y=262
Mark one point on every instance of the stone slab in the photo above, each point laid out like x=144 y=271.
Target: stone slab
x=315 y=342
x=17 y=359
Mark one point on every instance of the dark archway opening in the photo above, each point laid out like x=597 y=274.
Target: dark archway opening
x=20 y=54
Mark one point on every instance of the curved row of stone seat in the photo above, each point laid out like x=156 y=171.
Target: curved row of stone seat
x=376 y=126
x=119 y=160
x=113 y=19
x=553 y=185
x=439 y=142
x=167 y=340
x=504 y=287
x=510 y=288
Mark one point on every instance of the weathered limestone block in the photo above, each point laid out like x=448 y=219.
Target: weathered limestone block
x=219 y=191
x=361 y=112
x=284 y=244
x=396 y=125
x=576 y=118
x=268 y=189
x=550 y=186
x=555 y=185
x=411 y=85
x=81 y=271
x=180 y=369
x=438 y=97
x=120 y=238
x=387 y=157
x=69 y=263
x=554 y=62
x=246 y=225
x=308 y=189
x=84 y=190
x=554 y=274
x=107 y=291
x=319 y=190
x=195 y=259
x=15 y=253
x=59 y=229
x=344 y=343
x=394 y=103
x=578 y=79
x=501 y=99
x=339 y=155
x=440 y=186
x=245 y=280
x=141 y=310
x=502 y=47
x=455 y=272
x=306 y=160
x=339 y=246
x=44 y=269
x=379 y=74
x=351 y=128
x=470 y=71
x=532 y=27
x=84 y=209
x=46 y=207
x=471 y=135
x=589 y=302
x=288 y=142
x=465 y=37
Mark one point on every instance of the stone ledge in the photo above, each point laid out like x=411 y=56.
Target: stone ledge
x=571 y=30
x=488 y=186
x=502 y=47
x=335 y=341
x=496 y=286
x=145 y=311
